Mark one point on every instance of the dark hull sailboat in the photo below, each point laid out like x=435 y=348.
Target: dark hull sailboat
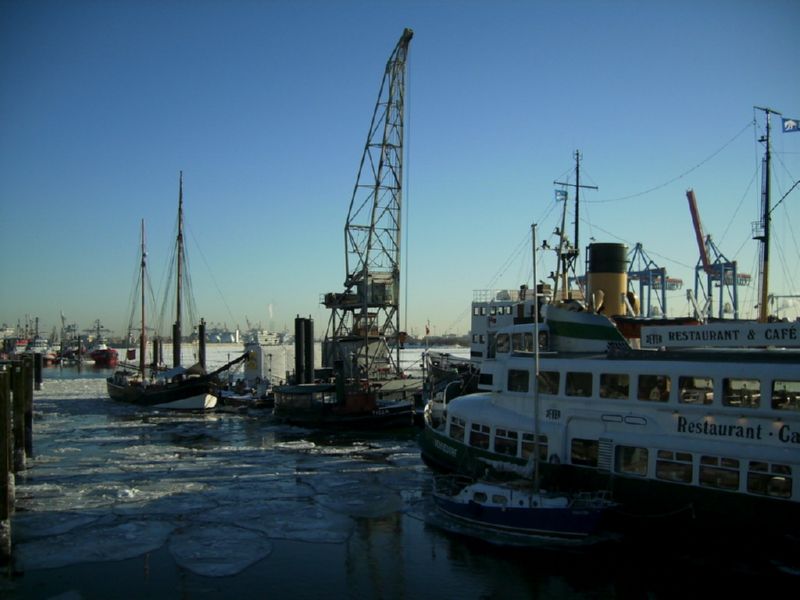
x=190 y=394
x=177 y=388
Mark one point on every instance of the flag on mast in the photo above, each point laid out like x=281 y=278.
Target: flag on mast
x=790 y=125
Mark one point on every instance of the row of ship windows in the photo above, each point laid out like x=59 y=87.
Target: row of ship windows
x=737 y=392
x=761 y=478
x=482 y=311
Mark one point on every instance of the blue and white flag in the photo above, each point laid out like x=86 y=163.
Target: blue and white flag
x=791 y=125
x=561 y=195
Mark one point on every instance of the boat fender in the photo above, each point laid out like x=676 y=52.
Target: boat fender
x=554 y=460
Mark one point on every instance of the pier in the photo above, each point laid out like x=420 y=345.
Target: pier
x=16 y=436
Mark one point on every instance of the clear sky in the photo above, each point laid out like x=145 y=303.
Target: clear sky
x=265 y=107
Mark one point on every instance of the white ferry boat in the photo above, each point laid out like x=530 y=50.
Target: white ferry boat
x=708 y=433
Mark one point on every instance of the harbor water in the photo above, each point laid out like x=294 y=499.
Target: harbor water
x=124 y=502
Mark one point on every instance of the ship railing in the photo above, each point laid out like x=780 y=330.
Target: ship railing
x=495 y=295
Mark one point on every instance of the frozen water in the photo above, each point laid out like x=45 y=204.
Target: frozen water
x=111 y=481
x=34 y=525
x=294 y=519
x=218 y=550
x=93 y=544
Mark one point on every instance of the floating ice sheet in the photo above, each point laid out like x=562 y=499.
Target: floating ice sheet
x=28 y=526
x=93 y=544
x=218 y=550
x=298 y=520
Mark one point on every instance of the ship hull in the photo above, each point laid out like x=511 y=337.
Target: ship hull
x=192 y=394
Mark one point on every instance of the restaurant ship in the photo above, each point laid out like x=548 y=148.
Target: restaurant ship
x=705 y=424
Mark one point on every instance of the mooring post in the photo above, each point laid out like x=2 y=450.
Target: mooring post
x=6 y=503
x=28 y=371
x=38 y=362
x=17 y=420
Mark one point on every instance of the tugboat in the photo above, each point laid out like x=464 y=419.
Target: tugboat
x=100 y=352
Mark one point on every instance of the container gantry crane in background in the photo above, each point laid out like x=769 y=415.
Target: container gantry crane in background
x=651 y=277
x=717 y=269
x=363 y=334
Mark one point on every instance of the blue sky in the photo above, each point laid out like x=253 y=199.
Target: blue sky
x=265 y=107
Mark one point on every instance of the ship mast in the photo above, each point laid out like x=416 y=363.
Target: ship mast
x=763 y=228
x=176 y=328
x=143 y=336
x=567 y=254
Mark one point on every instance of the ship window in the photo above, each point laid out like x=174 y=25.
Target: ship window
x=719 y=472
x=483 y=311
x=614 y=385
x=474 y=338
x=674 y=466
x=696 y=390
x=499 y=499
x=769 y=480
x=786 y=395
x=579 y=384
x=548 y=382
x=654 y=388
x=479 y=436
x=522 y=342
x=457 y=429
x=518 y=380
x=492 y=310
x=480 y=497
x=476 y=310
x=584 y=452
x=741 y=393
x=505 y=442
x=527 y=445
x=506 y=310
x=631 y=460
x=502 y=343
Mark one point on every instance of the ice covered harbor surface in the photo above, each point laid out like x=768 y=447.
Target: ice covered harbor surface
x=111 y=482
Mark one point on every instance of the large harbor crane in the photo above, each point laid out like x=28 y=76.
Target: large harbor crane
x=363 y=334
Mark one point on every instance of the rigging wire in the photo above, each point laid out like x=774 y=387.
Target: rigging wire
x=211 y=274
x=681 y=176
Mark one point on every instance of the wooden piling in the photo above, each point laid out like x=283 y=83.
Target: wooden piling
x=6 y=502
x=28 y=371
x=38 y=363
x=17 y=421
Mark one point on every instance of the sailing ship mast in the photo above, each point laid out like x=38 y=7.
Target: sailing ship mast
x=143 y=336
x=176 y=327
x=763 y=227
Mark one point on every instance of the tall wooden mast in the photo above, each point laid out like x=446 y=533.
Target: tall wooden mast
x=143 y=336
x=176 y=328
